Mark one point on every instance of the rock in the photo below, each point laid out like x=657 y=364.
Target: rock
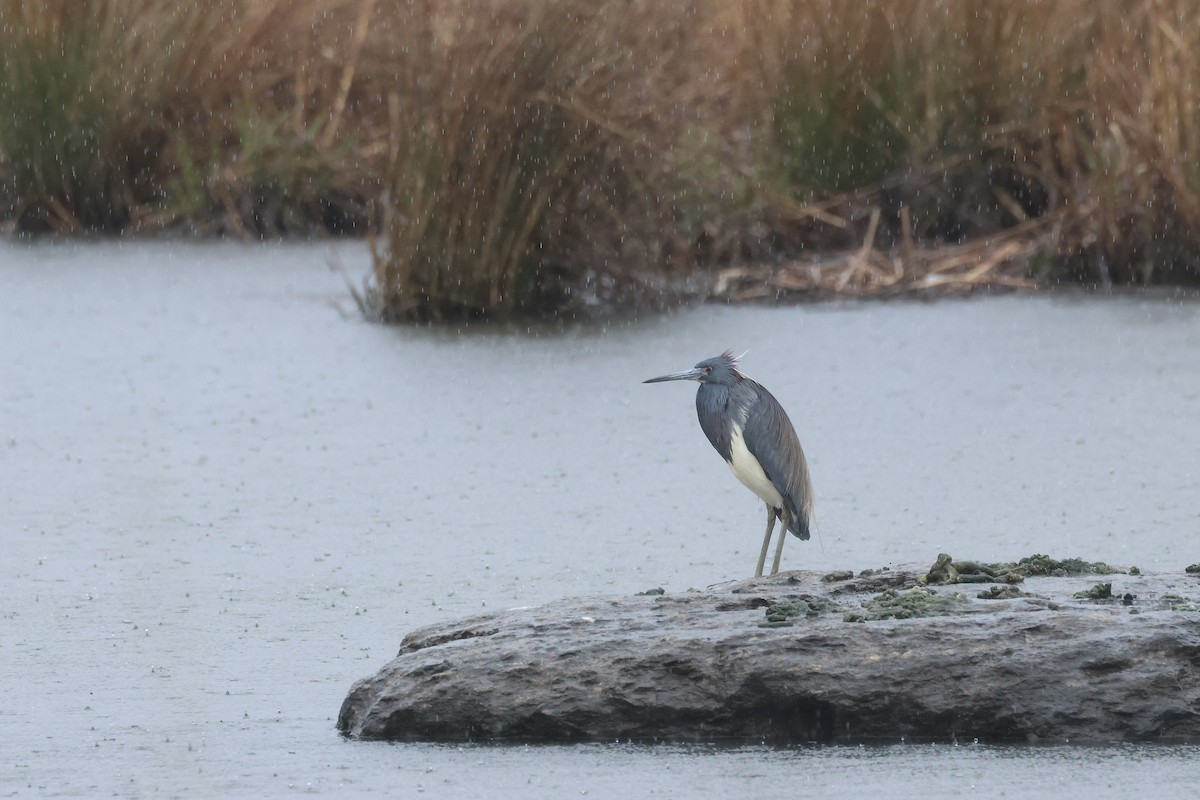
x=777 y=659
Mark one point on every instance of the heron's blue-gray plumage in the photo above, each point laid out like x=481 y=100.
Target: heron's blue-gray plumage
x=769 y=436
x=750 y=430
x=771 y=439
x=712 y=408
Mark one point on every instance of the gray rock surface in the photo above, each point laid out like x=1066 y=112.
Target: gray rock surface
x=797 y=657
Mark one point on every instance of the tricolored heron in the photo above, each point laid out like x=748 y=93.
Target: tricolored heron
x=752 y=432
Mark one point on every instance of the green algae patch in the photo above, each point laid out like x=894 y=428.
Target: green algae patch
x=1175 y=602
x=837 y=576
x=1101 y=591
x=1006 y=592
x=784 y=613
x=655 y=592
x=946 y=570
x=1045 y=565
x=908 y=604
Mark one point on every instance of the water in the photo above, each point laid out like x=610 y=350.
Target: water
x=225 y=497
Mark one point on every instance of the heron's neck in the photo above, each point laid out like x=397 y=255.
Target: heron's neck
x=715 y=415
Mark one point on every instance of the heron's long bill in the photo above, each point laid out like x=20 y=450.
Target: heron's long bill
x=686 y=375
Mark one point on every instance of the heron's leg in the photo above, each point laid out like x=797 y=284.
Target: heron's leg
x=783 y=528
x=762 y=556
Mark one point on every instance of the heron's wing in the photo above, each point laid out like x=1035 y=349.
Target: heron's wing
x=770 y=438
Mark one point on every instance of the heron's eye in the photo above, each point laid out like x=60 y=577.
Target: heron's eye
x=708 y=370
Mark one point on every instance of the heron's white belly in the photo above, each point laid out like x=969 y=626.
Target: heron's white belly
x=747 y=470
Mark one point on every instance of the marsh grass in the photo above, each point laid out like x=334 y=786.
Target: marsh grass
x=114 y=105
x=1137 y=172
x=91 y=90
x=926 y=105
x=262 y=178
x=484 y=147
x=959 y=120
x=66 y=131
x=276 y=138
x=526 y=156
x=510 y=123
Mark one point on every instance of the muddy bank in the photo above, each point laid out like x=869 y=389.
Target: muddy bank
x=994 y=652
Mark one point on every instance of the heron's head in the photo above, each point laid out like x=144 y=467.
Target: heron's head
x=720 y=369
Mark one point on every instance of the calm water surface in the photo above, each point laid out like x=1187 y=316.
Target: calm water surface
x=224 y=497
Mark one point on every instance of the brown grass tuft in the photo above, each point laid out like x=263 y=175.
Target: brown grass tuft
x=528 y=140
